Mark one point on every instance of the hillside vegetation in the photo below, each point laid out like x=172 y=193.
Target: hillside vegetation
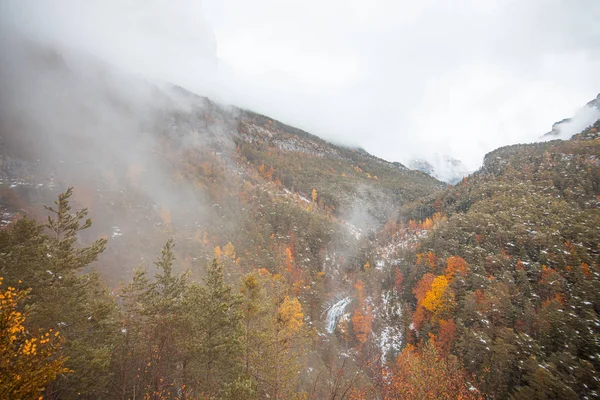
x=155 y=244
x=509 y=284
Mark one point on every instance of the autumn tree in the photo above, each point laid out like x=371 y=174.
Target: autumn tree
x=362 y=319
x=421 y=314
x=275 y=332
x=445 y=338
x=455 y=265
x=28 y=362
x=423 y=374
x=439 y=298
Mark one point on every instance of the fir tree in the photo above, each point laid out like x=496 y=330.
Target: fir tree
x=149 y=359
x=214 y=344
x=46 y=259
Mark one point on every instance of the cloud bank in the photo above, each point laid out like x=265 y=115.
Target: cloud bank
x=401 y=79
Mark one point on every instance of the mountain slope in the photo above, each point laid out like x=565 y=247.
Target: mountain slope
x=154 y=161
x=515 y=271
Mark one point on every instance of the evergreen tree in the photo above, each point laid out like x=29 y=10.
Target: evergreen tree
x=214 y=337
x=149 y=359
x=46 y=258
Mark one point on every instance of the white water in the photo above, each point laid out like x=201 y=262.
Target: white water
x=335 y=312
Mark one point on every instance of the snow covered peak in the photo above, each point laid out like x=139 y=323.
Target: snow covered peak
x=442 y=167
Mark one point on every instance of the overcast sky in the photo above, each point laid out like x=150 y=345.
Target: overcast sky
x=401 y=79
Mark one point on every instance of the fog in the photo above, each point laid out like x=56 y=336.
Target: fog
x=401 y=79
x=69 y=119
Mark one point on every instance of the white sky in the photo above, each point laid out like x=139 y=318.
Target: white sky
x=401 y=78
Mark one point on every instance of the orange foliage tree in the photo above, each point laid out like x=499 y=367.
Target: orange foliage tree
x=420 y=291
x=422 y=287
x=362 y=324
x=445 y=337
x=425 y=374
x=455 y=265
x=431 y=259
x=362 y=319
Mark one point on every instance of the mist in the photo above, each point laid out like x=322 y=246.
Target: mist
x=69 y=119
x=583 y=118
x=401 y=80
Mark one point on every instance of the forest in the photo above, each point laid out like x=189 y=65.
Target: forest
x=65 y=335
x=498 y=289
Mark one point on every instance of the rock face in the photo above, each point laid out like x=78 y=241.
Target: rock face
x=568 y=127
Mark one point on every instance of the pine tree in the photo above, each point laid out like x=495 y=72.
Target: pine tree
x=149 y=359
x=46 y=259
x=214 y=342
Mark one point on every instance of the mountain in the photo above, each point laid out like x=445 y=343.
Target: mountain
x=509 y=283
x=442 y=167
x=568 y=127
x=162 y=161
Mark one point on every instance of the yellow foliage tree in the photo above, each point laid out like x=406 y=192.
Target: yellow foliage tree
x=438 y=218
x=28 y=363
x=229 y=251
x=439 y=298
x=290 y=315
x=314 y=194
x=427 y=224
x=218 y=252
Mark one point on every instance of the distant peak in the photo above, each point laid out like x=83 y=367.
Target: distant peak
x=567 y=127
x=441 y=167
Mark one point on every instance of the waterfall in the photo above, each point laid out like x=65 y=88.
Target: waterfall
x=335 y=312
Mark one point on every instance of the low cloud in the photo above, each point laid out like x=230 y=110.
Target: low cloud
x=401 y=79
